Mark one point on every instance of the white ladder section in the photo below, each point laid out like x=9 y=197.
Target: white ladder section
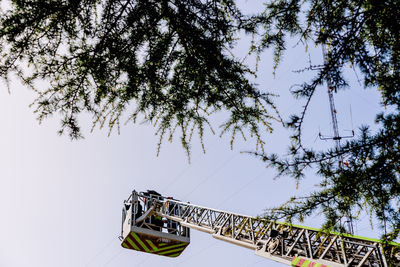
x=289 y=244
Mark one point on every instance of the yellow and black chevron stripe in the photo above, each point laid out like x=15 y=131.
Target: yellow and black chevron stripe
x=150 y=245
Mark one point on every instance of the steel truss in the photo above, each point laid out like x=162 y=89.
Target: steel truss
x=277 y=241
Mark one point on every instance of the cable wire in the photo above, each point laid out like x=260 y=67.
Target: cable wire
x=211 y=175
x=100 y=252
x=241 y=188
x=197 y=253
x=112 y=258
x=179 y=176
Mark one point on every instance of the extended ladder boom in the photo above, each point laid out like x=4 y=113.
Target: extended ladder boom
x=281 y=242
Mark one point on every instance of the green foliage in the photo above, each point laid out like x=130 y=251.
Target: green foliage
x=364 y=34
x=167 y=62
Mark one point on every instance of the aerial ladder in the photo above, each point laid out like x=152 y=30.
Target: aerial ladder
x=161 y=225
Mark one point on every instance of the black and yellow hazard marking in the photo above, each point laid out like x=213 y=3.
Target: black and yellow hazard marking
x=150 y=245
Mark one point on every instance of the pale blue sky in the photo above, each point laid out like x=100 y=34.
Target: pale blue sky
x=61 y=201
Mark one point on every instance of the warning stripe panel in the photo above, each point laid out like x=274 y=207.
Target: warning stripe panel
x=137 y=238
x=140 y=243
x=169 y=251
x=154 y=247
x=174 y=255
x=301 y=262
x=172 y=246
x=130 y=244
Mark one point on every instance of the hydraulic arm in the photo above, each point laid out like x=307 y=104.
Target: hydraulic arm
x=289 y=244
x=281 y=242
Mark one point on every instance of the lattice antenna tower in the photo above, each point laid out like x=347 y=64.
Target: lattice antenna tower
x=336 y=136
